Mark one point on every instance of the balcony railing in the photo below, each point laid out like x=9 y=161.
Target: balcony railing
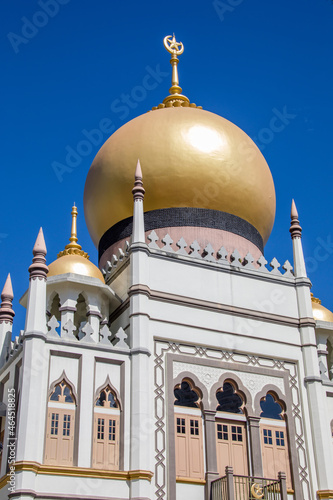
x=234 y=487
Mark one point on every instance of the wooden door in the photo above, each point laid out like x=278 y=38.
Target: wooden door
x=189 y=446
x=60 y=437
x=106 y=441
x=275 y=451
x=231 y=447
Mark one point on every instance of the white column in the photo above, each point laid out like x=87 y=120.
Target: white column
x=31 y=431
x=299 y=262
x=33 y=400
x=142 y=425
x=67 y=309
x=322 y=354
x=320 y=429
x=94 y=314
x=84 y=410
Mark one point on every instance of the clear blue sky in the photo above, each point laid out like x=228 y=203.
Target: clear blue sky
x=243 y=59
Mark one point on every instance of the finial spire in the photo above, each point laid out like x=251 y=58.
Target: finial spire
x=296 y=236
x=176 y=49
x=6 y=312
x=295 y=228
x=38 y=268
x=315 y=299
x=73 y=247
x=138 y=233
x=138 y=189
x=73 y=239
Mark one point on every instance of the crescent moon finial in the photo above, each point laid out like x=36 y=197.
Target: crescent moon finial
x=175 y=48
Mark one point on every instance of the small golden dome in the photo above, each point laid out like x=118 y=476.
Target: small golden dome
x=73 y=259
x=320 y=313
x=190 y=158
x=74 y=264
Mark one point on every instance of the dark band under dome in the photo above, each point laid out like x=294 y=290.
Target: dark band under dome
x=178 y=217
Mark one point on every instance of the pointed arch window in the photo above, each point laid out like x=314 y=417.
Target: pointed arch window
x=62 y=393
x=106 y=429
x=59 y=443
x=274 y=437
x=188 y=431
x=107 y=398
x=231 y=440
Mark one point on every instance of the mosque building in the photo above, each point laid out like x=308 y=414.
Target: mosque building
x=184 y=366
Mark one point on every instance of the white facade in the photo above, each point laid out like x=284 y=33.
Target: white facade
x=173 y=317
x=189 y=364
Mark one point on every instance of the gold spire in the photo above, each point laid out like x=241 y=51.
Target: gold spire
x=315 y=300
x=176 y=98
x=320 y=313
x=73 y=248
x=176 y=49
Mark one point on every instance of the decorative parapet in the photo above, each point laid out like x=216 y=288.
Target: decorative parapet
x=115 y=262
x=15 y=345
x=232 y=260
x=106 y=337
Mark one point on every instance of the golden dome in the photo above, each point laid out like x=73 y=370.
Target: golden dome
x=74 y=264
x=73 y=259
x=320 y=313
x=190 y=158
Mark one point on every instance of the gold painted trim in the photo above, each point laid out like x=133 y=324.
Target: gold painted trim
x=4 y=480
x=190 y=480
x=325 y=494
x=55 y=470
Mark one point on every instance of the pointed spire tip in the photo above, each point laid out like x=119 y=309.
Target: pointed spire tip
x=295 y=228
x=293 y=212
x=138 y=171
x=6 y=307
x=40 y=243
x=138 y=189
x=7 y=290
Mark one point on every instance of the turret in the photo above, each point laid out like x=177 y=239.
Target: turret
x=6 y=319
x=296 y=235
x=36 y=309
x=138 y=235
x=140 y=448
